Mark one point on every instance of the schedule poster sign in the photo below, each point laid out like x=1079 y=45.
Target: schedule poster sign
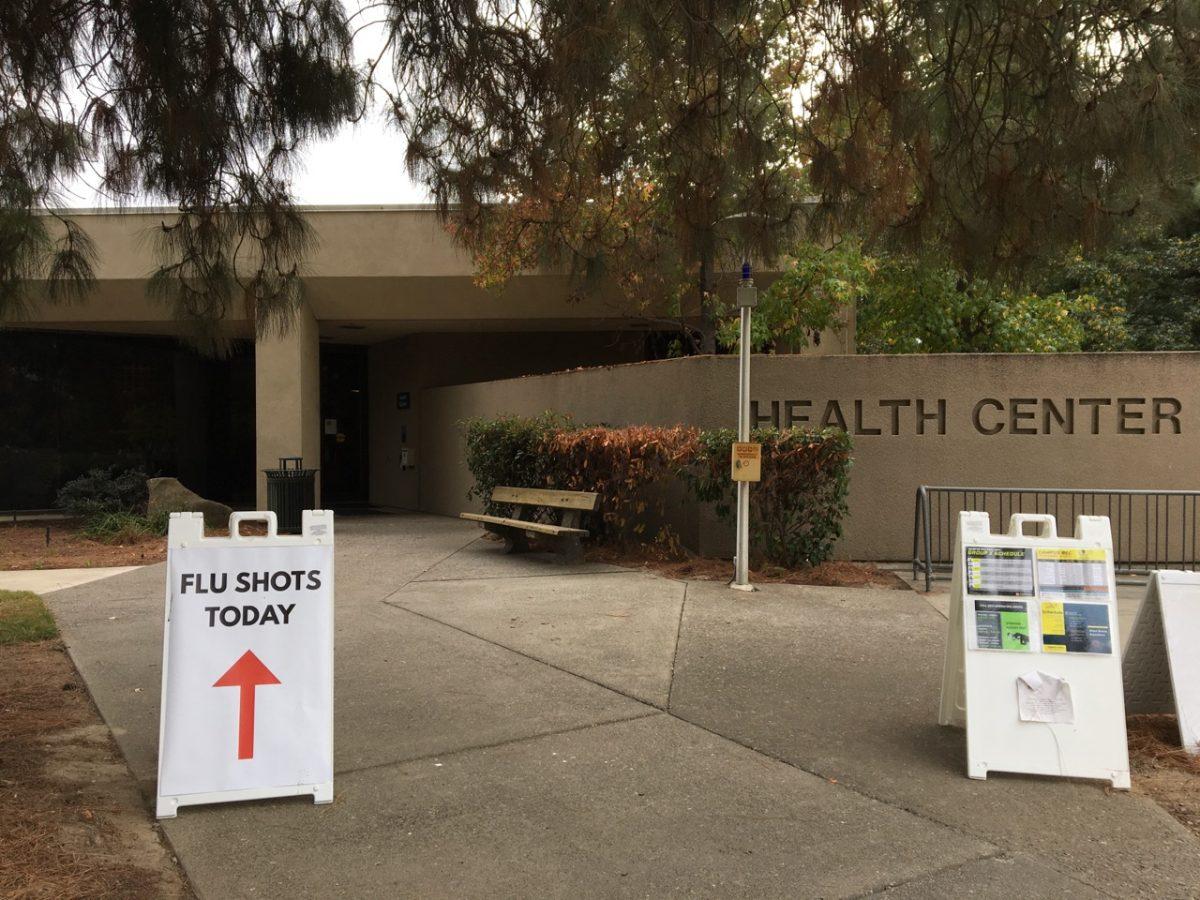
x=1073 y=573
x=1031 y=666
x=248 y=672
x=1000 y=571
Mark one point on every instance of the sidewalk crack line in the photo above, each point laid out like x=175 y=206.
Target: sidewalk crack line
x=505 y=742
x=675 y=653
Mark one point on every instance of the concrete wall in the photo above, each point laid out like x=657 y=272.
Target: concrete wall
x=411 y=365
x=1068 y=420
x=287 y=400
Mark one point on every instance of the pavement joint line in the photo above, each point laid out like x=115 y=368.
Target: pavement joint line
x=647 y=703
x=420 y=580
x=522 y=653
x=522 y=739
x=385 y=598
x=854 y=789
x=925 y=596
x=675 y=652
x=924 y=876
x=891 y=803
x=1003 y=854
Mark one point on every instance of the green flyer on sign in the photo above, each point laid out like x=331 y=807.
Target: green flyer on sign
x=1002 y=625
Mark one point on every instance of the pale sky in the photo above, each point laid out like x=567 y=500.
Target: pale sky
x=362 y=164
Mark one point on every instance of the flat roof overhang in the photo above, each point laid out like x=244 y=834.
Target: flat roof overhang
x=376 y=273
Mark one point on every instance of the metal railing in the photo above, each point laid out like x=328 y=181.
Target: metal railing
x=14 y=516
x=1151 y=529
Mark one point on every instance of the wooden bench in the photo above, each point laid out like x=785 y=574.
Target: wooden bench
x=516 y=529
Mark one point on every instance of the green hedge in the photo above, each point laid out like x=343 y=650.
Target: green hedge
x=796 y=511
x=509 y=452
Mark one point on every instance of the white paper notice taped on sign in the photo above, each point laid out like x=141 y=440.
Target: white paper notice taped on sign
x=1042 y=697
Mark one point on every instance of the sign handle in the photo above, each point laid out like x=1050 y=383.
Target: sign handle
x=1047 y=526
x=238 y=518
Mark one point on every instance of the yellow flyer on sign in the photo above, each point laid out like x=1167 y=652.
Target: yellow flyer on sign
x=1076 y=628
x=1053 y=626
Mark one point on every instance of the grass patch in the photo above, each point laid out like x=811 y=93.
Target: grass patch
x=24 y=617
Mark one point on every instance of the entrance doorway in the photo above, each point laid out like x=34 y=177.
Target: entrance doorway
x=344 y=459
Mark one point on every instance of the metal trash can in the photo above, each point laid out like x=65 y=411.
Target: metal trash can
x=290 y=490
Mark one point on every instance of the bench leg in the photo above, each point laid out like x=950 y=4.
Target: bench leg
x=569 y=549
x=515 y=541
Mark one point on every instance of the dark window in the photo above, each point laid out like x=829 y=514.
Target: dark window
x=72 y=402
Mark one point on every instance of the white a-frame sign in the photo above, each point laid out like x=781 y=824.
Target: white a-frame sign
x=1033 y=666
x=247 y=689
x=1162 y=662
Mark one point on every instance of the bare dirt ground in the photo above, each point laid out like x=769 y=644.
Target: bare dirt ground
x=73 y=823
x=835 y=573
x=24 y=546
x=1163 y=770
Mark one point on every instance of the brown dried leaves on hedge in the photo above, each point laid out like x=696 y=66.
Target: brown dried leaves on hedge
x=625 y=466
x=640 y=470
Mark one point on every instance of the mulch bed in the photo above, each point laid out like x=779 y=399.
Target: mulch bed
x=1163 y=770
x=835 y=573
x=24 y=546
x=72 y=821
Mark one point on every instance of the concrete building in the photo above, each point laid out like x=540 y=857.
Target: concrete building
x=391 y=311
x=397 y=345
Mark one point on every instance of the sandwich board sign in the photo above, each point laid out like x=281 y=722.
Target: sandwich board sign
x=1033 y=667
x=247 y=688
x=1162 y=665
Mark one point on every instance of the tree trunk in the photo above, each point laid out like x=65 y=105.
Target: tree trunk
x=708 y=321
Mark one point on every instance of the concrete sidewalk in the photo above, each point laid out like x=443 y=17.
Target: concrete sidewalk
x=43 y=581
x=507 y=727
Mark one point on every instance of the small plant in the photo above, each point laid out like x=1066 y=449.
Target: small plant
x=122 y=527
x=105 y=491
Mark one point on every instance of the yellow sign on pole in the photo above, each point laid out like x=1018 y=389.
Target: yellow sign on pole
x=747 y=461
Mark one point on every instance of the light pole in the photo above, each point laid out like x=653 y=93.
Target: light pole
x=746 y=460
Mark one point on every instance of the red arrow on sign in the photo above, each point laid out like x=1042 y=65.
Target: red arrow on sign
x=247 y=673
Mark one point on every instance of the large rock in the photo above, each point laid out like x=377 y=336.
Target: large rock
x=167 y=495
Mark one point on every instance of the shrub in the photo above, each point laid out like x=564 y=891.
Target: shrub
x=623 y=466
x=796 y=510
x=123 y=527
x=542 y=451
x=510 y=450
x=105 y=491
